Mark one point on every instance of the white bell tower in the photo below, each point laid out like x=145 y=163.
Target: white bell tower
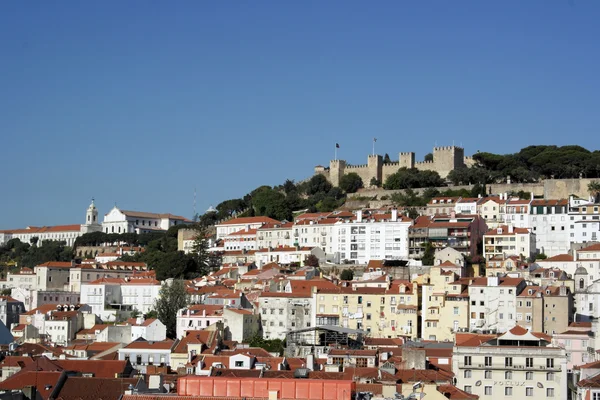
x=91 y=220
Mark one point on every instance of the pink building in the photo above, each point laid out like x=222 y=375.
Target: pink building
x=575 y=341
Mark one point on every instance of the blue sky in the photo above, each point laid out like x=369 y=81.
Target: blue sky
x=139 y=102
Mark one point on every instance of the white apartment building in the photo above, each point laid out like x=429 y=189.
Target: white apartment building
x=24 y=279
x=150 y=329
x=122 y=221
x=274 y=235
x=493 y=303
x=284 y=312
x=286 y=255
x=197 y=317
x=508 y=241
x=467 y=205
x=587 y=283
x=108 y=296
x=550 y=225
x=518 y=364
x=240 y=240
x=584 y=221
x=240 y=324
x=377 y=237
x=243 y=223
x=316 y=233
x=516 y=212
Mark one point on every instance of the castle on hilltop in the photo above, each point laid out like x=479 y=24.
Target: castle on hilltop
x=445 y=159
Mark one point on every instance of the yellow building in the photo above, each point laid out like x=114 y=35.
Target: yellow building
x=387 y=312
x=445 y=304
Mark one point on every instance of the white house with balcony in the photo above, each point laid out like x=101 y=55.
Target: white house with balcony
x=508 y=241
x=109 y=296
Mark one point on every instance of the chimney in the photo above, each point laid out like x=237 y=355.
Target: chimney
x=563 y=290
x=394 y=214
x=359 y=216
x=531 y=195
x=493 y=281
x=29 y=392
x=310 y=362
x=511 y=229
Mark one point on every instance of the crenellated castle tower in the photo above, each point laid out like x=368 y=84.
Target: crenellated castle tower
x=445 y=159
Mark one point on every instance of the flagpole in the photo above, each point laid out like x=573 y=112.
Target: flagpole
x=335 y=155
x=373 y=146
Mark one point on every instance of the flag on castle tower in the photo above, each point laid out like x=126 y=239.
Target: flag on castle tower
x=374 y=139
x=337 y=145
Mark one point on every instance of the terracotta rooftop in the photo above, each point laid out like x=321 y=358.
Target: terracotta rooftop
x=250 y=220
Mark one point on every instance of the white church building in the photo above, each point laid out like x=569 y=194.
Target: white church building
x=122 y=221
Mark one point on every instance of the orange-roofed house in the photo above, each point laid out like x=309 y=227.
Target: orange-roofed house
x=315 y=232
x=110 y=296
x=584 y=220
x=517 y=364
x=244 y=240
x=565 y=262
x=198 y=316
x=488 y=208
x=509 y=240
x=516 y=212
x=287 y=255
x=241 y=224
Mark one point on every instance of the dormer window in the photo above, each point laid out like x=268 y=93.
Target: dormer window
x=530 y=291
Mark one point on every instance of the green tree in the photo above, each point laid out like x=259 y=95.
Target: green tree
x=428 y=157
x=347 y=275
x=171 y=299
x=594 y=189
x=375 y=182
x=541 y=256
x=318 y=184
x=135 y=313
x=151 y=314
x=386 y=159
x=351 y=182
x=428 y=255
x=34 y=240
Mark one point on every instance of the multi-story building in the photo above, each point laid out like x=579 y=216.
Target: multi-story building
x=142 y=354
x=241 y=240
x=488 y=208
x=243 y=223
x=584 y=220
x=493 y=303
x=372 y=237
x=10 y=309
x=25 y=278
x=109 y=296
x=575 y=341
x=85 y=273
x=441 y=205
x=386 y=312
x=545 y=309
x=515 y=365
x=122 y=221
x=549 y=223
x=240 y=324
x=35 y=298
x=274 y=235
x=509 y=241
x=444 y=304
x=317 y=232
x=460 y=232
x=467 y=205
x=286 y=255
x=282 y=312
x=197 y=317
x=516 y=212
x=63 y=233
x=502 y=264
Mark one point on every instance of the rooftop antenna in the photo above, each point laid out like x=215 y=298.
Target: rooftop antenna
x=194 y=216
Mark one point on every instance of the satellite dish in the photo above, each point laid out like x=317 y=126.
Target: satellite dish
x=478 y=383
x=540 y=385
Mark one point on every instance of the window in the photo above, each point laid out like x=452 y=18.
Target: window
x=467 y=360
x=455 y=310
x=529 y=362
x=488 y=374
x=488 y=390
x=508 y=391
x=468 y=389
x=467 y=373
x=138 y=360
x=488 y=361
x=550 y=376
x=528 y=391
x=528 y=376
x=549 y=362
x=239 y=363
x=508 y=361
x=550 y=392
x=508 y=375
x=359 y=299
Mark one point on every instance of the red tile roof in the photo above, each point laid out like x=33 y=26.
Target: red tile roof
x=250 y=220
x=97 y=388
x=44 y=382
x=141 y=344
x=558 y=257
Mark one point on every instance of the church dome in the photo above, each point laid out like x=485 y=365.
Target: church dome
x=581 y=271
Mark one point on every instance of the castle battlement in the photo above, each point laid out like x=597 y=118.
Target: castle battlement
x=447 y=148
x=445 y=159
